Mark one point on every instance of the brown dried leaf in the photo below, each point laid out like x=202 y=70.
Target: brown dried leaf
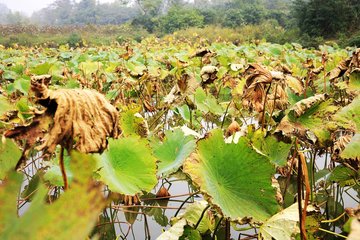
x=340 y=70
x=300 y=107
x=254 y=91
x=232 y=128
x=317 y=70
x=185 y=86
x=355 y=60
x=31 y=134
x=201 y=52
x=294 y=84
x=83 y=119
x=163 y=193
x=208 y=74
x=278 y=100
x=341 y=142
x=83 y=116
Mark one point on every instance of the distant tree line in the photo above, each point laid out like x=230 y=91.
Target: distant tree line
x=327 y=19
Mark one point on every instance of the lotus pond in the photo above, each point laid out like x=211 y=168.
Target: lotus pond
x=180 y=140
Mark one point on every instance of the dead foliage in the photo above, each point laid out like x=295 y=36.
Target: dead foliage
x=341 y=143
x=75 y=119
x=163 y=193
x=302 y=106
x=185 y=86
x=346 y=67
x=254 y=92
x=208 y=74
x=232 y=128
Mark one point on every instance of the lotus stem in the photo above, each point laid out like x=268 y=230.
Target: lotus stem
x=62 y=168
x=182 y=204
x=335 y=219
x=333 y=233
x=216 y=228
x=201 y=216
x=305 y=177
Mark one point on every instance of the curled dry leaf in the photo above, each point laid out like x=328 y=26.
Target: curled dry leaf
x=294 y=84
x=278 y=99
x=300 y=107
x=341 y=142
x=185 y=86
x=340 y=70
x=208 y=74
x=163 y=193
x=355 y=60
x=317 y=70
x=201 y=52
x=346 y=66
x=277 y=75
x=232 y=129
x=82 y=119
x=254 y=91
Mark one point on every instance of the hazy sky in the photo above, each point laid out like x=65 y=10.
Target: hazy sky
x=29 y=6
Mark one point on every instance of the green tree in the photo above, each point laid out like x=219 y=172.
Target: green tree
x=233 y=18
x=180 y=18
x=62 y=11
x=85 y=12
x=326 y=17
x=16 y=18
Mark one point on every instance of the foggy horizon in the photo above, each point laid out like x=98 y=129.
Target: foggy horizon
x=29 y=7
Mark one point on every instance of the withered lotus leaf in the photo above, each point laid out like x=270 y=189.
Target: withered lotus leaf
x=254 y=92
x=82 y=119
x=301 y=106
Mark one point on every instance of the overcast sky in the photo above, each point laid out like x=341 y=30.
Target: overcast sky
x=29 y=6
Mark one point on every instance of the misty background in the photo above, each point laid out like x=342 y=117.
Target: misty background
x=307 y=21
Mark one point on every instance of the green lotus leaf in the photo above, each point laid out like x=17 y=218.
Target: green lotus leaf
x=276 y=151
x=135 y=68
x=352 y=149
x=343 y=175
x=128 y=166
x=32 y=186
x=23 y=85
x=310 y=121
x=4 y=105
x=281 y=226
x=193 y=213
x=9 y=156
x=235 y=176
x=354 y=81
x=132 y=123
x=349 y=116
x=275 y=50
x=175 y=232
x=191 y=234
x=207 y=103
x=9 y=190
x=89 y=67
x=173 y=151
x=41 y=68
x=24 y=109
x=72 y=216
